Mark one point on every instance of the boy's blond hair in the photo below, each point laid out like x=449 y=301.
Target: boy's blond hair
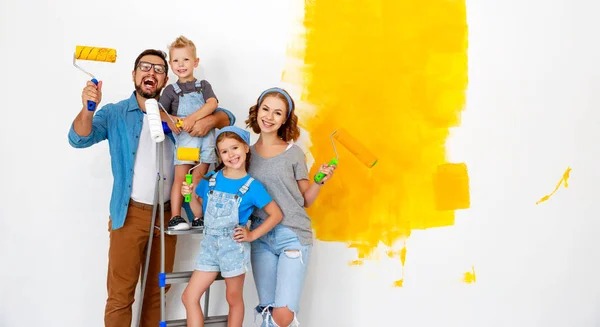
x=182 y=42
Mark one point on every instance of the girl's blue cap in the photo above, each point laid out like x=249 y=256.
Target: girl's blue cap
x=245 y=135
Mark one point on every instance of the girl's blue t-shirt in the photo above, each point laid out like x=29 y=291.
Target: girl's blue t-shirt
x=256 y=196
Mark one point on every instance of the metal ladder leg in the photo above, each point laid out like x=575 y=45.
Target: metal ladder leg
x=173 y=277
x=161 y=201
x=206 y=300
x=148 y=252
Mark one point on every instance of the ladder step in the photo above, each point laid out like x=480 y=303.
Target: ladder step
x=209 y=321
x=182 y=277
x=191 y=231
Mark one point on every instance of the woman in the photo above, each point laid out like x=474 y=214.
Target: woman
x=280 y=257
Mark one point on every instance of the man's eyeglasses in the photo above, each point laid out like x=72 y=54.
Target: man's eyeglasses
x=146 y=66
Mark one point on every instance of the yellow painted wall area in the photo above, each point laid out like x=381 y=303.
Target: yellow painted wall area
x=451 y=187
x=393 y=73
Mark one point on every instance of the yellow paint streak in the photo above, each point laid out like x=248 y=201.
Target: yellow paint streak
x=564 y=180
x=451 y=185
x=469 y=277
x=393 y=74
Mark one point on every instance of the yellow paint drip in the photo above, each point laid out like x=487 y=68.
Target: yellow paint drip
x=356 y=263
x=399 y=283
x=393 y=73
x=564 y=180
x=400 y=253
x=363 y=250
x=403 y=255
x=469 y=277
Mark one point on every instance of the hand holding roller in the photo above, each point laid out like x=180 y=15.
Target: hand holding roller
x=91 y=105
x=356 y=148
x=188 y=180
x=320 y=175
x=178 y=124
x=188 y=154
x=95 y=54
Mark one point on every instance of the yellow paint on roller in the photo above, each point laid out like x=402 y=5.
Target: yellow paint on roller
x=358 y=150
x=188 y=154
x=95 y=54
x=451 y=186
x=469 y=277
x=393 y=74
x=564 y=180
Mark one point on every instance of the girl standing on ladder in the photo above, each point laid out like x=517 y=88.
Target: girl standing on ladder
x=227 y=196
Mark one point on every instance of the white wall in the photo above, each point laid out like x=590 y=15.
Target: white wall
x=532 y=111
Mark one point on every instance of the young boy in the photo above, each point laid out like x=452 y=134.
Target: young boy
x=187 y=100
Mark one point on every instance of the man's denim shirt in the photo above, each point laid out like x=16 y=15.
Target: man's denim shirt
x=121 y=124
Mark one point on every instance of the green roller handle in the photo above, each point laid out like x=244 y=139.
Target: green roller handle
x=188 y=179
x=320 y=175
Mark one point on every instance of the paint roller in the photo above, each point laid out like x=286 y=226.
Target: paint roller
x=351 y=144
x=154 y=122
x=94 y=54
x=188 y=154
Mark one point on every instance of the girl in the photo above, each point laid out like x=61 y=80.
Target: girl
x=227 y=197
x=279 y=258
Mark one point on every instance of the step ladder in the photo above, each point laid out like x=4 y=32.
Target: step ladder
x=164 y=278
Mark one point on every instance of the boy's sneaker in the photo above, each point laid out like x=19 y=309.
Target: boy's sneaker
x=197 y=223
x=178 y=223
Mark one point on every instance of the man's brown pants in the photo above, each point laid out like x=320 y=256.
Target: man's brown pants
x=126 y=259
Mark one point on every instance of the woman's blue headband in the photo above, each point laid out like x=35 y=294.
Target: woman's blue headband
x=282 y=92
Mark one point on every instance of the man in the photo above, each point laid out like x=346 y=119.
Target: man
x=133 y=161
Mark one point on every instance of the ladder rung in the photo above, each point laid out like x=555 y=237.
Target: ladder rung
x=182 y=277
x=192 y=231
x=214 y=320
x=178 y=277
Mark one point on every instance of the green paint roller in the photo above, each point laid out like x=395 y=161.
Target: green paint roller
x=356 y=148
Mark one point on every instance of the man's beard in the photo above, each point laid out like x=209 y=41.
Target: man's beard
x=146 y=95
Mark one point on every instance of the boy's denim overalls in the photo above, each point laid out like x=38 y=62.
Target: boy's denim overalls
x=188 y=104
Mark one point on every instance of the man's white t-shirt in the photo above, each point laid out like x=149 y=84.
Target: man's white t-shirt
x=145 y=168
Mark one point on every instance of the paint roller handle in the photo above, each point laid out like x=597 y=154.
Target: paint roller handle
x=91 y=104
x=188 y=180
x=166 y=128
x=320 y=175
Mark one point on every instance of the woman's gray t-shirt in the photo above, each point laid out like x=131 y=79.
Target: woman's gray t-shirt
x=279 y=175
